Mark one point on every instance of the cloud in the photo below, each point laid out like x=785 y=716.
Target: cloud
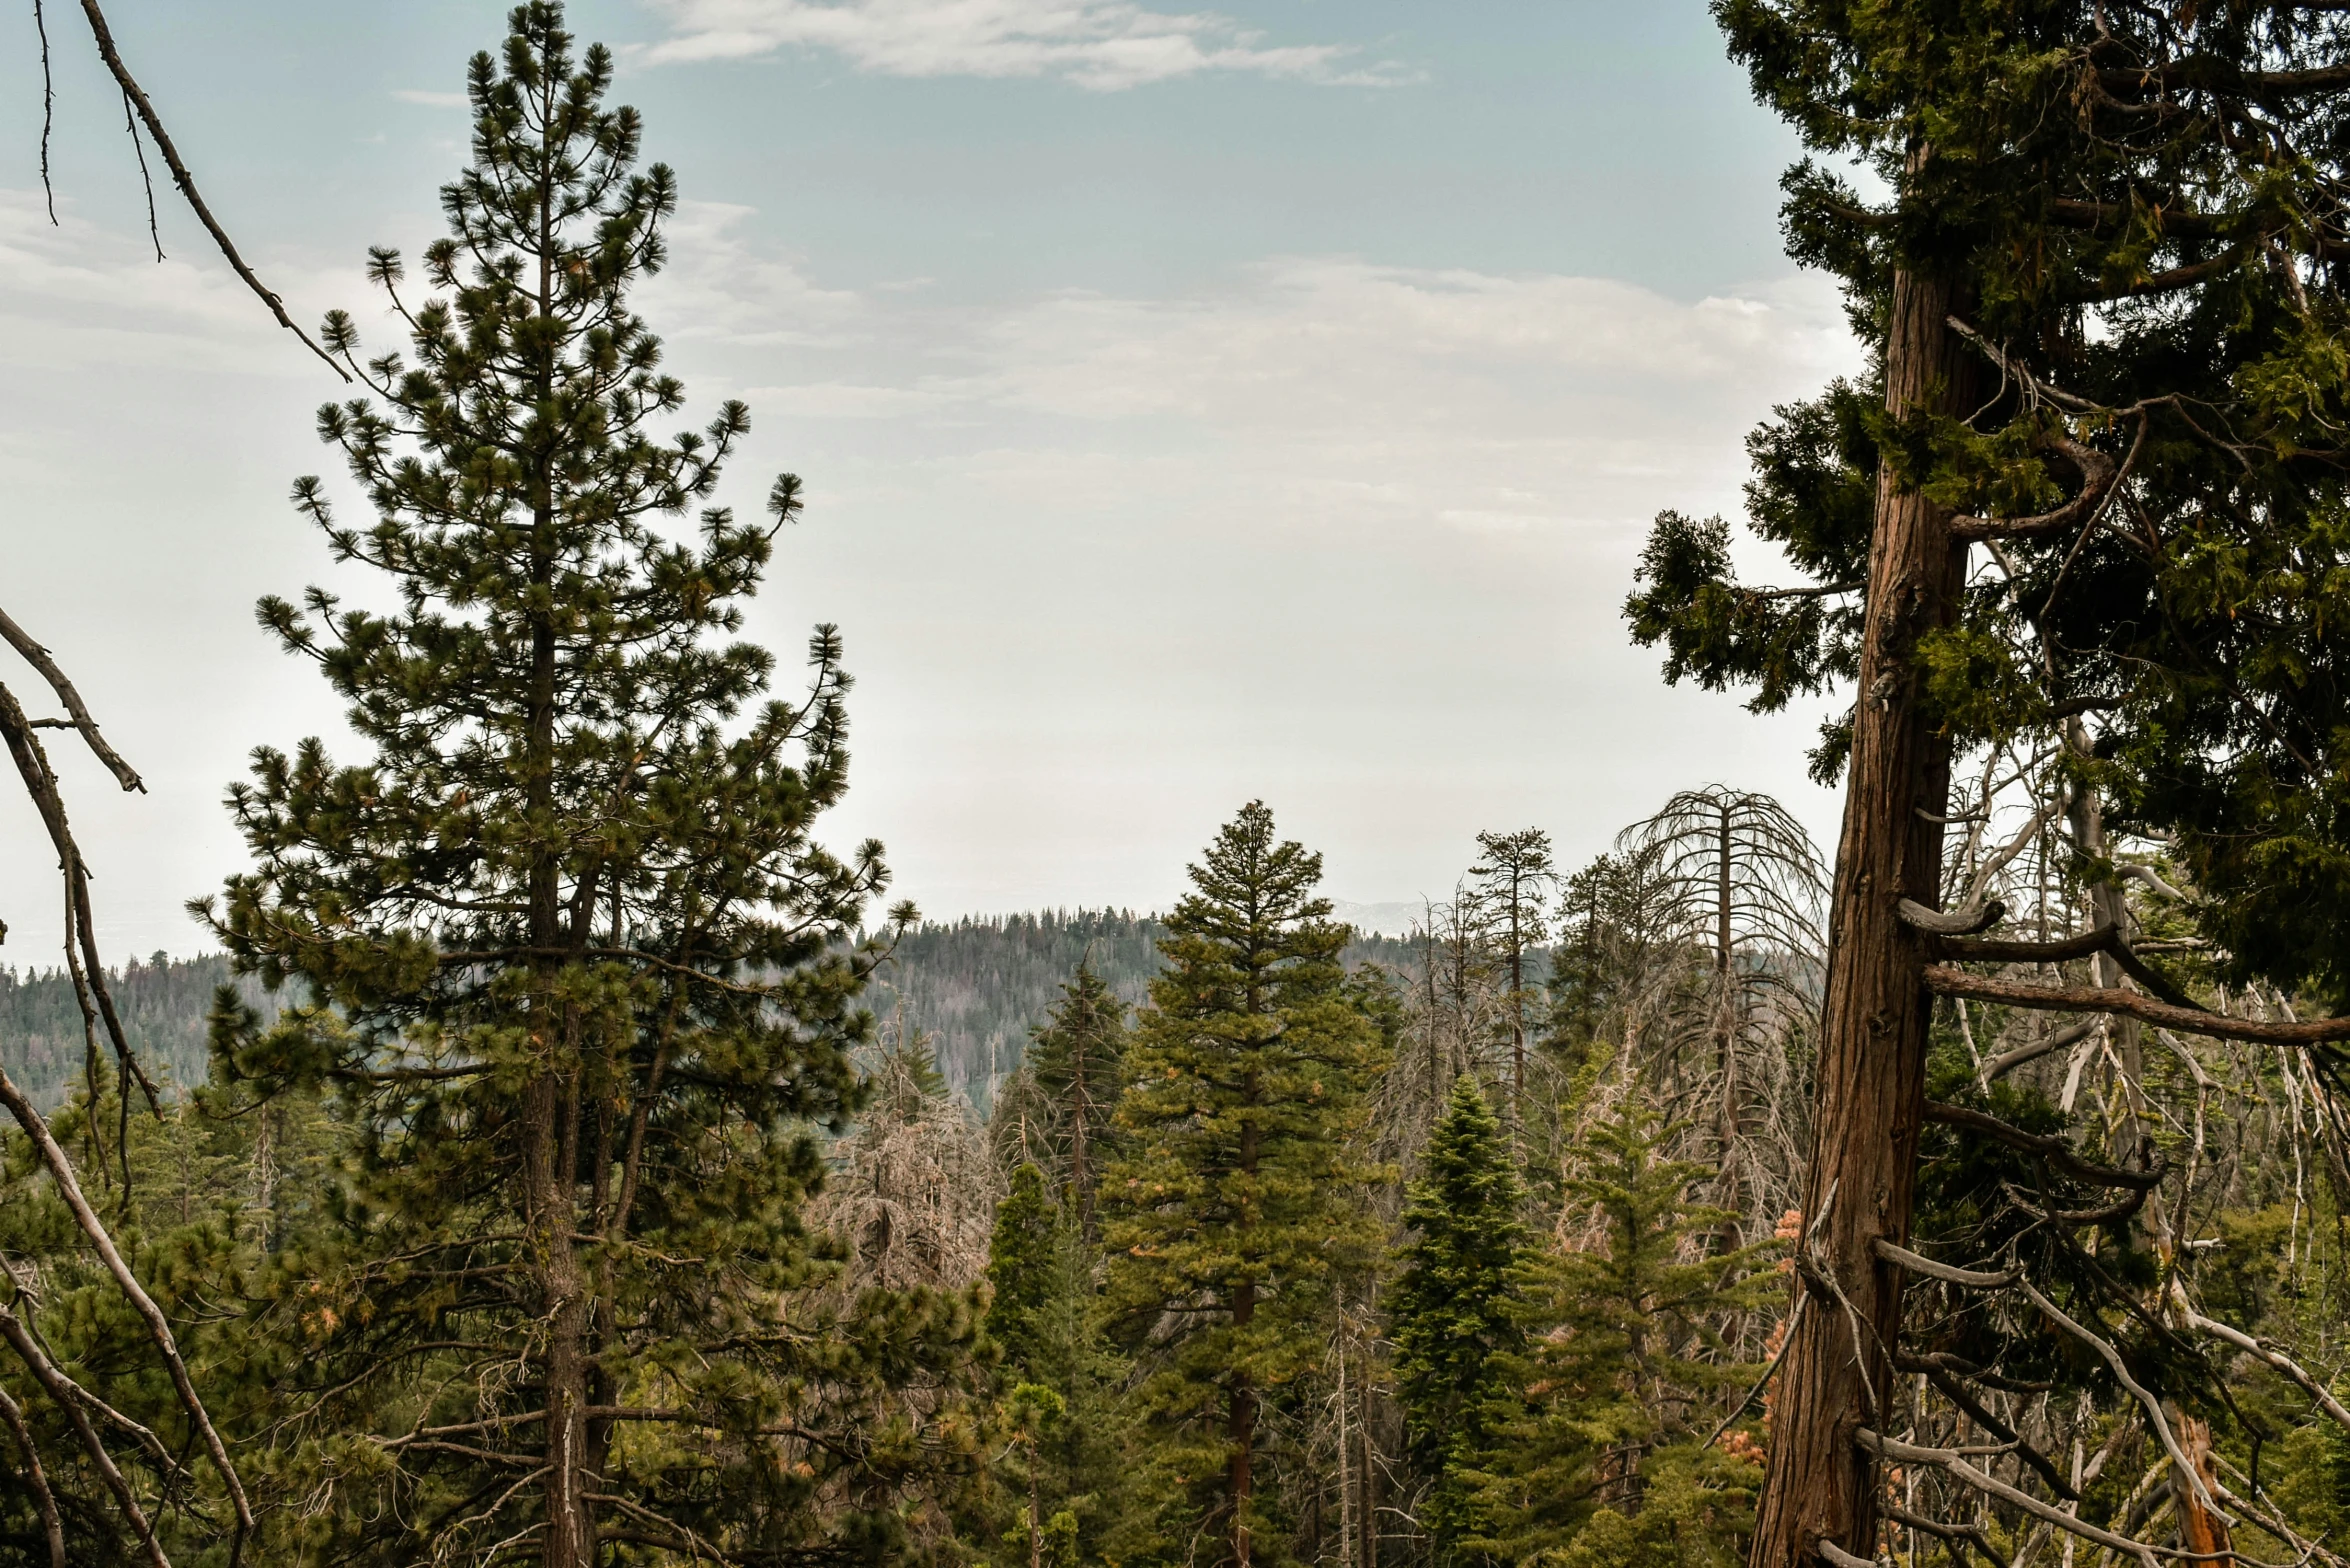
x=78 y=294
x=1104 y=45
x=1306 y=391
x=431 y=100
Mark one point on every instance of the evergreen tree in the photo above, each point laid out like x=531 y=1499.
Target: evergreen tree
x=1453 y=1310
x=2102 y=292
x=1078 y=1059
x=1058 y=1388
x=1235 y=1214
x=1626 y=1356
x=568 y=952
x=1513 y=876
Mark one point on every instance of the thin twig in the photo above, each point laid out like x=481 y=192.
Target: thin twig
x=131 y=129
x=187 y=182
x=48 y=112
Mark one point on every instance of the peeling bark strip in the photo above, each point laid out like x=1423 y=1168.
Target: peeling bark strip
x=1869 y=1092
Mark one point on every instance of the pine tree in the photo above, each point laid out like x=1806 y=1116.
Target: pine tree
x=1626 y=1355
x=1453 y=1310
x=1078 y=1059
x=1513 y=877
x=1234 y=1215
x=567 y=950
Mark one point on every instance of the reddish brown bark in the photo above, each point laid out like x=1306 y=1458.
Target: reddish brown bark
x=1869 y=1090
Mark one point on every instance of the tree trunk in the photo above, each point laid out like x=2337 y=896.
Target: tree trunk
x=1869 y=1084
x=1081 y=1108
x=1517 y=1010
x=1726 y=1021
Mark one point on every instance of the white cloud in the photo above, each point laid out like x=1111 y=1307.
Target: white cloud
x=1314 y=389
x=431 y=100
x=74 y=293
x=1100 y=44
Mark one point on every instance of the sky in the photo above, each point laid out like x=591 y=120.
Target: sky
x=1193 y=406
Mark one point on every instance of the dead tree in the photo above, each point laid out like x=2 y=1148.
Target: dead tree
x=1738 y=888
x=101 y=1022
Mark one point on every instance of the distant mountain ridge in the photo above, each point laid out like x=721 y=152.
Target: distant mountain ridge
x=975 y=986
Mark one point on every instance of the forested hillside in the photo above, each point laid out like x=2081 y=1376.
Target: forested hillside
x=977 y=986
x=974 y=988
x=162 y=1001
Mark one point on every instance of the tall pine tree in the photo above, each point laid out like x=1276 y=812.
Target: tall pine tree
x=1454 y=1310
x=568 y=950
x=1235 y=1213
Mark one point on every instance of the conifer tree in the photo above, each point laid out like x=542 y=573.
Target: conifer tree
x=1513 y=877
x=1603 y=1462
x=2104 y=303
x=563 y=940
x=1057 y=1384
x=1234 y=1214
x=1078 y=1060
x=1453 y=1308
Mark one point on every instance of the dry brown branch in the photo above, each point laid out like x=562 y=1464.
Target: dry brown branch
x=1949 y=981
x=35 y=1477
x=137 y=96
x=62 y=1392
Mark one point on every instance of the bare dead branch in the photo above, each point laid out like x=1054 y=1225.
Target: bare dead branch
x=52 y=1526
x=2054 y=1150
x=2262 y=1350
x=86 y=726
x=158 y=1327
x=2099 y=999
x=2138 y=1391
x=1953 y=1463
x=1972 y=1279
x=2008 y=1061
x=187 y=182
x=1951 y=922
x=61 y=1391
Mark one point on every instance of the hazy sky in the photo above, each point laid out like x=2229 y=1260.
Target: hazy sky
x=1193 y=405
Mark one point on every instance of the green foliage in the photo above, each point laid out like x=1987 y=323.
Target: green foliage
x=2068 y=172
x=1453 y=1311
x=1624 y=1368
x=1235 y=1214
x=1060 y=1418
x=573 y=963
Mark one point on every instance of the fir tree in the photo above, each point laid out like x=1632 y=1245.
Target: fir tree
x=566 y=946
x=1512 y=877
x=1235 y=1214
x=1453 y=1308
x=1058 y=1388
x=1626 y=1355
x=1078 y=1059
